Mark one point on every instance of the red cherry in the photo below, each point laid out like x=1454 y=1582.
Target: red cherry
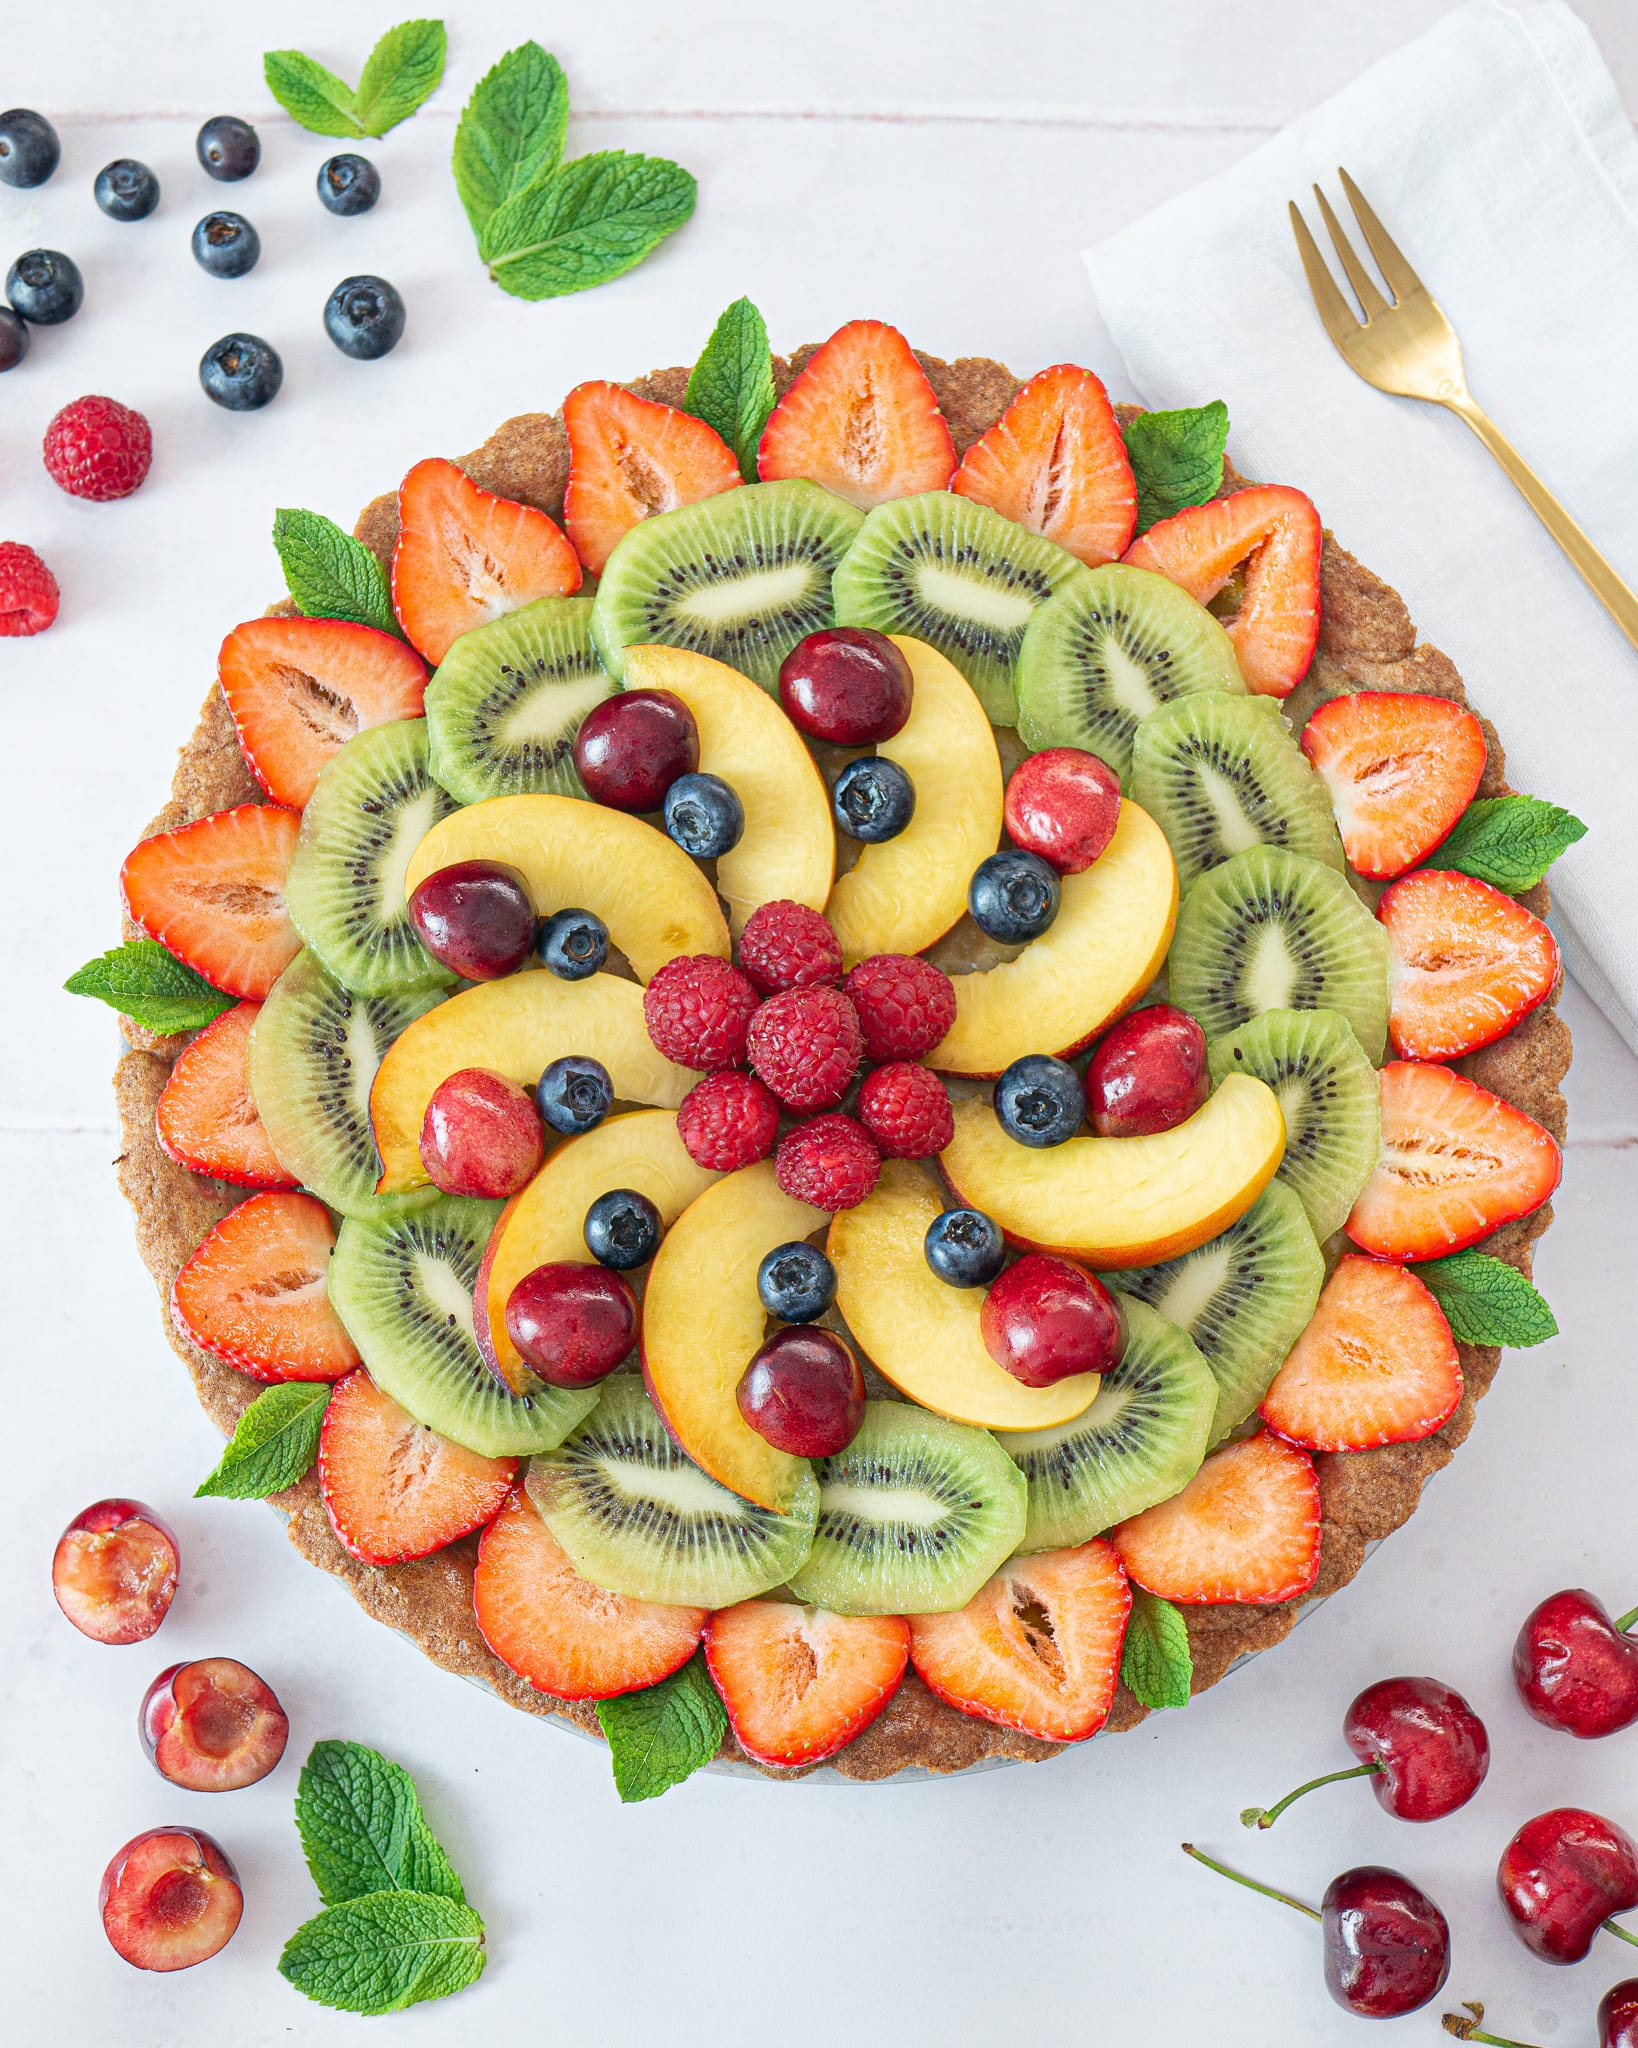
x=1618 y=2015
x=212 y=1725
x=1562 y=1876
x=633 y=746
x=1422 y=1746
x=481 y=1135
x=115 y=1571
x=169 y=1899
x=803 y=1392
x=1064 y=805
x=848 y=685
x=1148 y=1073
x=1046 y=1318
x=572 y=1323
x=475 y=918
x=1575 y=1668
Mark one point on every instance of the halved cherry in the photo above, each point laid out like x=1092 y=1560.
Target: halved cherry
x=170 y=1898
x=212 y=1725
x=115 y=1571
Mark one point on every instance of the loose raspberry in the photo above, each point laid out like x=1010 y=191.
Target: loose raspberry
x=806 y=1045
x=786 y=945
x=97 y=448
x=831 y=1162
x=905 y=1005
x=905 y=1109
x=728 y=1121
x=698 y=1010
x=28 y=592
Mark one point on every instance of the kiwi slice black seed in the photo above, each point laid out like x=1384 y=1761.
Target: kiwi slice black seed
x=1269 y=930
x=639 y=1517
x=374 y=804
x=742 y=576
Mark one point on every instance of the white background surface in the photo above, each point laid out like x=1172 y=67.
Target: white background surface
x=939 y=167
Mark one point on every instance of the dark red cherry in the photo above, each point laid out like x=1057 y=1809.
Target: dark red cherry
x=475 y=918
x=1618 y=2015
x=803 y=1392
x=848 y=685
x=1575 y=1668
x=1421 y=1745
x=1046 y=1318
x=572 y=1323
x=212 y=1725
x=1063 y=804
x=1561 y=1878
x=633 y=746
x=1148 y=1073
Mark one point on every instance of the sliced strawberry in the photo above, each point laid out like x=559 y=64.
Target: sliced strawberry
x=465 y=557
x=254 y=1294
x=1376 y=1365
x=1401 y=770
x=1245 y=1528
x=1055 y=462
x=206 y=1118
x=1457 y=1163
x=1466 y=962
x=1037 y=1648
x=299 y=689
x=798 y=1682
x=630 y=458
x=559 y=1631
x=213 y=892
x=393 y=1488
x=1276 y=533
x=861 y=419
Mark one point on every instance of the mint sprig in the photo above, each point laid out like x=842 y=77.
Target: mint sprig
x=511 y=131
x=275 y=1442
x=362 y=1829
x=1156 y=1666
x=329 y=574
x=663 y=1734
x=1508 y=841
x=731 y=387
x=1176 y=458
x=1487 y=1301
x=385 y=1951
x=150 y=986
x=400 y=74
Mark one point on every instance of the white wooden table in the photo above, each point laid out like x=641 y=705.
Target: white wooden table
x=939 y=167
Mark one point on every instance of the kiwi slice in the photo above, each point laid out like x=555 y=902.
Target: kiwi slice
x=1243 y=1297
x=507 y=701
x=313 y=1054
x=1330 y=1099
x=1269 y=930
x=957 y=575
x=1221 y=773
x=403 y=1287
x=1141 y=1441
x=1105 y=650
x=639 y=1517
x=373 y=805
x=742 y=576
x=914 y=1516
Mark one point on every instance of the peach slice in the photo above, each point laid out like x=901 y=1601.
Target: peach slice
x=1123 y=1201
x=1102 y=950
x=920 y=1333
x=788 y=849
x=702 y=1320
x=515 y=1027
x=907 y=892
x=580 y=856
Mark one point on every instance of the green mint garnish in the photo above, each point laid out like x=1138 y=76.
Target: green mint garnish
x=1155 y=1665
x=401 y=72
x=590 y=221
x=329 y=574
x=1177 y=459
x=1487 y=1301
x=273 y=1446
x=731 y=387
x=511 y=131
x=362 y=1828
x=663 y=1734
x=1508 y=841
x=385 y=1951
x=150 y=986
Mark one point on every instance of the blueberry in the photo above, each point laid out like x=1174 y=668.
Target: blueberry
x=242 y=372
x=226 y=245
x=349 y=184
x=965 y=1247
x=574 y=1095
x=45 y=287
x=126 y=190
x=13 y=339
x=873 y=799
x=364 y=317
x=622 y=1229
x=573 y=943
x=796 y=1282
x=703 y=815
x=29 y=150
x=228 y=148
x=1013 y=896
x=1040 y=1100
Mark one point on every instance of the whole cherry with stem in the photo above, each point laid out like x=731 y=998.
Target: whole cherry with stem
x=1565 y=1875
x=1421 y=1745
x=1575 y=1668
x=1617 y=2020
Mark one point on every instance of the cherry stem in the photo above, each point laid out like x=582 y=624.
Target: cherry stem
x=1250 y=1883
x=1613 y=1926
x=1625 y=1625
x=1472 y=2030
x=1266 y=1816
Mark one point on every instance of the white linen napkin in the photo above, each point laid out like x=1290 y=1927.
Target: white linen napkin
x=1496 y=152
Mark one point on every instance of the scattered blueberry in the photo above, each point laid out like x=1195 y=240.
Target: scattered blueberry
x=364 y=317
x=1040 y=1100
x=796 y=1282
x=228 y=148
x=573 y=943
x=242 y=372
x=126 y=190
x=13 y=339
x=349 y=184
x=45 y=287
x=622 y=1229
x=1013 y=896
x=226 y=245
x=873 y=799
x=703 y=815
x=574 y=1095
x=29 y=149
x=965 y=1247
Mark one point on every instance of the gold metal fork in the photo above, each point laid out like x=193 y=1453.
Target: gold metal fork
x=1405 y=345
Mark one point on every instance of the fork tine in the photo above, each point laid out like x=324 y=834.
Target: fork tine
x=1402 y=280
x=1358 y=276
x=1338 y=317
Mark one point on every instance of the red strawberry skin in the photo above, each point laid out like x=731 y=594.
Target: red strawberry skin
x=28 y=592
x=799 y=1683
x=1056 y=462
x=1466 y=963
x=394 y=1489
x=206 y=1118
x=213 y=892
x=629 y=459
x=1245 y=1529
x=861 y=419
x=253 y=1293
x=1400 y=769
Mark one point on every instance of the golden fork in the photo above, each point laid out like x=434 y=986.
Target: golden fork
x=1405 y=345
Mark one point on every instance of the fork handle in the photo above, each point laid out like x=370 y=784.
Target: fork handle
x=1595 y=571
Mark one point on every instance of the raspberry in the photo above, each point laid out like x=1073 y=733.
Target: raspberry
x=28 y=592
x=906 y=1111
x=831 y=1163
x=786 y=945
x=97 y=448
x=806 y=1045
x=905 y=1005
x=728 y=1121
x=698 y=1009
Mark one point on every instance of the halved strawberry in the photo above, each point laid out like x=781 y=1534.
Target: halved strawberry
x=393 y=1488
x=465 y=557
x=1457 y=1163
x=1401 y=770
x=1276 y=533
x=1038 y=1646
x=559 y=1631
x=1245 y=1528
x=299 y=689
x=254 y=1294
x=1376 y=1365
x=206 y=1117
x=798 y=1682
x=630 y=458
x=1055 y=462
x=861 y=419
x=1466 y=962
x=213 y=892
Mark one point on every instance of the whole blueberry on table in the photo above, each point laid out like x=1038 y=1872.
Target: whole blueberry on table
x=29 y=150
x=1039 y=1100
x=226 y=245
x=241 y=372
x=13 y=339
x=45 y=287
x=796 y=1282
x=874 y=799
x=965 y=1247
x=349 y=184
x=126 y=190
x=364 y=317
x=703 y=815
x=622 y=1229
x=573 y=944
x=1013 y=896
x=574 y=1095
x=228 y=148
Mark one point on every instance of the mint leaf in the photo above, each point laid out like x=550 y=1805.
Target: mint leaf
x=1487 y=1301
x=362 y=1828
x=150 y=986
x=1508 y=841
x=322 y=103
x=1177 y=459
x=275 y=1442
x=402 y=71
x=328 y=573
x=385 y=1951
x=663 y=1734
x=1155 y=1664
x=591 y=221
x=511 y=131
x=731 y=387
